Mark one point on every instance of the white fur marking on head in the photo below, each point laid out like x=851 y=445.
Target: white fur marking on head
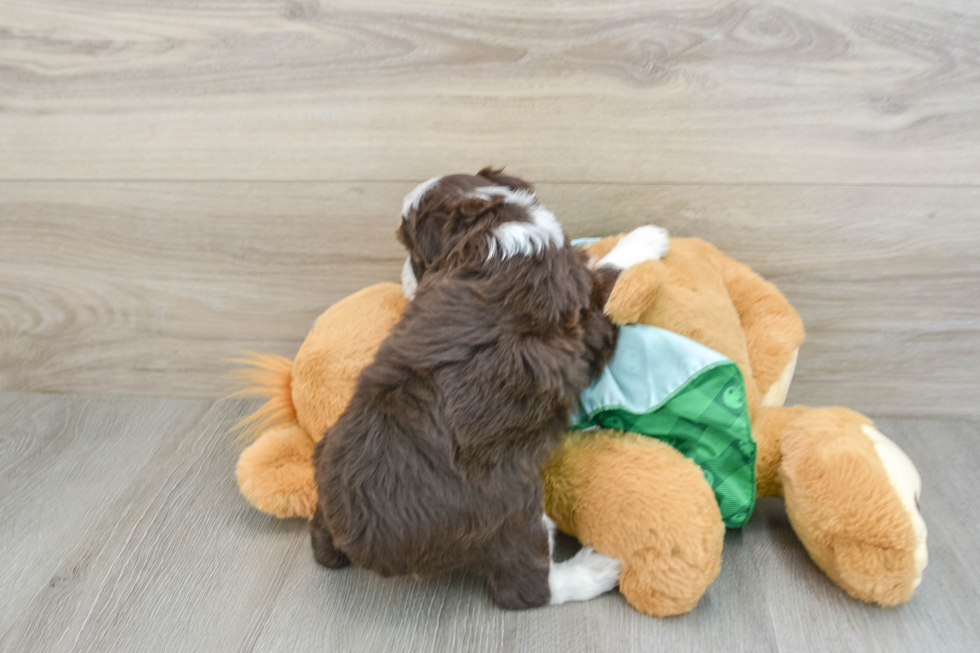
x=414 y=198
x=646 y=243
x=584 y=576
x=526 y=238
x=907 y=484
x=523 y=198
x=409 y=283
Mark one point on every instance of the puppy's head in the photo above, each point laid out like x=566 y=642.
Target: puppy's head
x=471 y=219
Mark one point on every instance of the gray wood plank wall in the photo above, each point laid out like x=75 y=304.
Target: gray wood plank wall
x=181 y=182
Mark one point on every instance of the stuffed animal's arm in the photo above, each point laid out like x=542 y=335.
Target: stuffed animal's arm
x=638 y=283
x=634 y=292
x=773 y=328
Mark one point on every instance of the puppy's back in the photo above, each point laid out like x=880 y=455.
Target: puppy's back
x=444 y=438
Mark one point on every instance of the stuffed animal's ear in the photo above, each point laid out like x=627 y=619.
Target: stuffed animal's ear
x=497 y=177
x=635 y=291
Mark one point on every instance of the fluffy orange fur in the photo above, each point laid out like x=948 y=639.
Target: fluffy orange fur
x=702 y=294
x=275 y=473
x=265 y=375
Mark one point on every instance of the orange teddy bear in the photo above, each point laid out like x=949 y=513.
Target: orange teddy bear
x=851 y=494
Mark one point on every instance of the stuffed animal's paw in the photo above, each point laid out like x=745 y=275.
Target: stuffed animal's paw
x=852 y=497
x=275 y=473
x=907 y=485
x=646 y=243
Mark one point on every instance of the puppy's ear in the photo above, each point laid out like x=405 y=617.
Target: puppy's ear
x=497 y=177
x=468 y=211
x=428 y=236
x=472 y=221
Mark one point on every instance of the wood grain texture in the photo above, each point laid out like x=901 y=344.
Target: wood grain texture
x=147 y=288
x=172 y=559
x=122 y=530
x=67 y=469
x=823 y=91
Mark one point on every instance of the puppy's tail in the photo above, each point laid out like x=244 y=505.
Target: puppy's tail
x=270 y=376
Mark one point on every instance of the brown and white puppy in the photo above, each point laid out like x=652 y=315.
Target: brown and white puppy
x=435 y=463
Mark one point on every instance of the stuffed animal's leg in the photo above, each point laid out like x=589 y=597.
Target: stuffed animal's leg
x=275 y=473
x=852 y=498
x=641 y=502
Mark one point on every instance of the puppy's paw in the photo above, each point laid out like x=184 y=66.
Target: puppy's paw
x=520 y=594
x=324 y=552
x=646 y=243
x=603 y=569
x=519 y=586
x=584 y=576
x=330 y=558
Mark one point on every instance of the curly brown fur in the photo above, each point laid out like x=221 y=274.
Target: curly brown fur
x=435 y=464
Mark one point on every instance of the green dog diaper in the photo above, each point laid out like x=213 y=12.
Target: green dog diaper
x=663 y=385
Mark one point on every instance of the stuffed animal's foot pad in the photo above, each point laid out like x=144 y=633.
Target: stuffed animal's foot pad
x=584 y=576
x=907 y=484
x=646 y=243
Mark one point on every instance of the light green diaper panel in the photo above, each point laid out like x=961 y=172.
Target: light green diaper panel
x=666 y=386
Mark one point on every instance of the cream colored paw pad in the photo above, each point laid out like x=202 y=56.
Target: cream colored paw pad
x=905 y=479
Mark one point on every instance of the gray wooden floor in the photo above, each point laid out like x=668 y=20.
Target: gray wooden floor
x=121 y=529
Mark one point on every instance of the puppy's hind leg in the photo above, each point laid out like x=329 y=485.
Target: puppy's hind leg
x=324 y=551
x=521 y=573
x=517 y=565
